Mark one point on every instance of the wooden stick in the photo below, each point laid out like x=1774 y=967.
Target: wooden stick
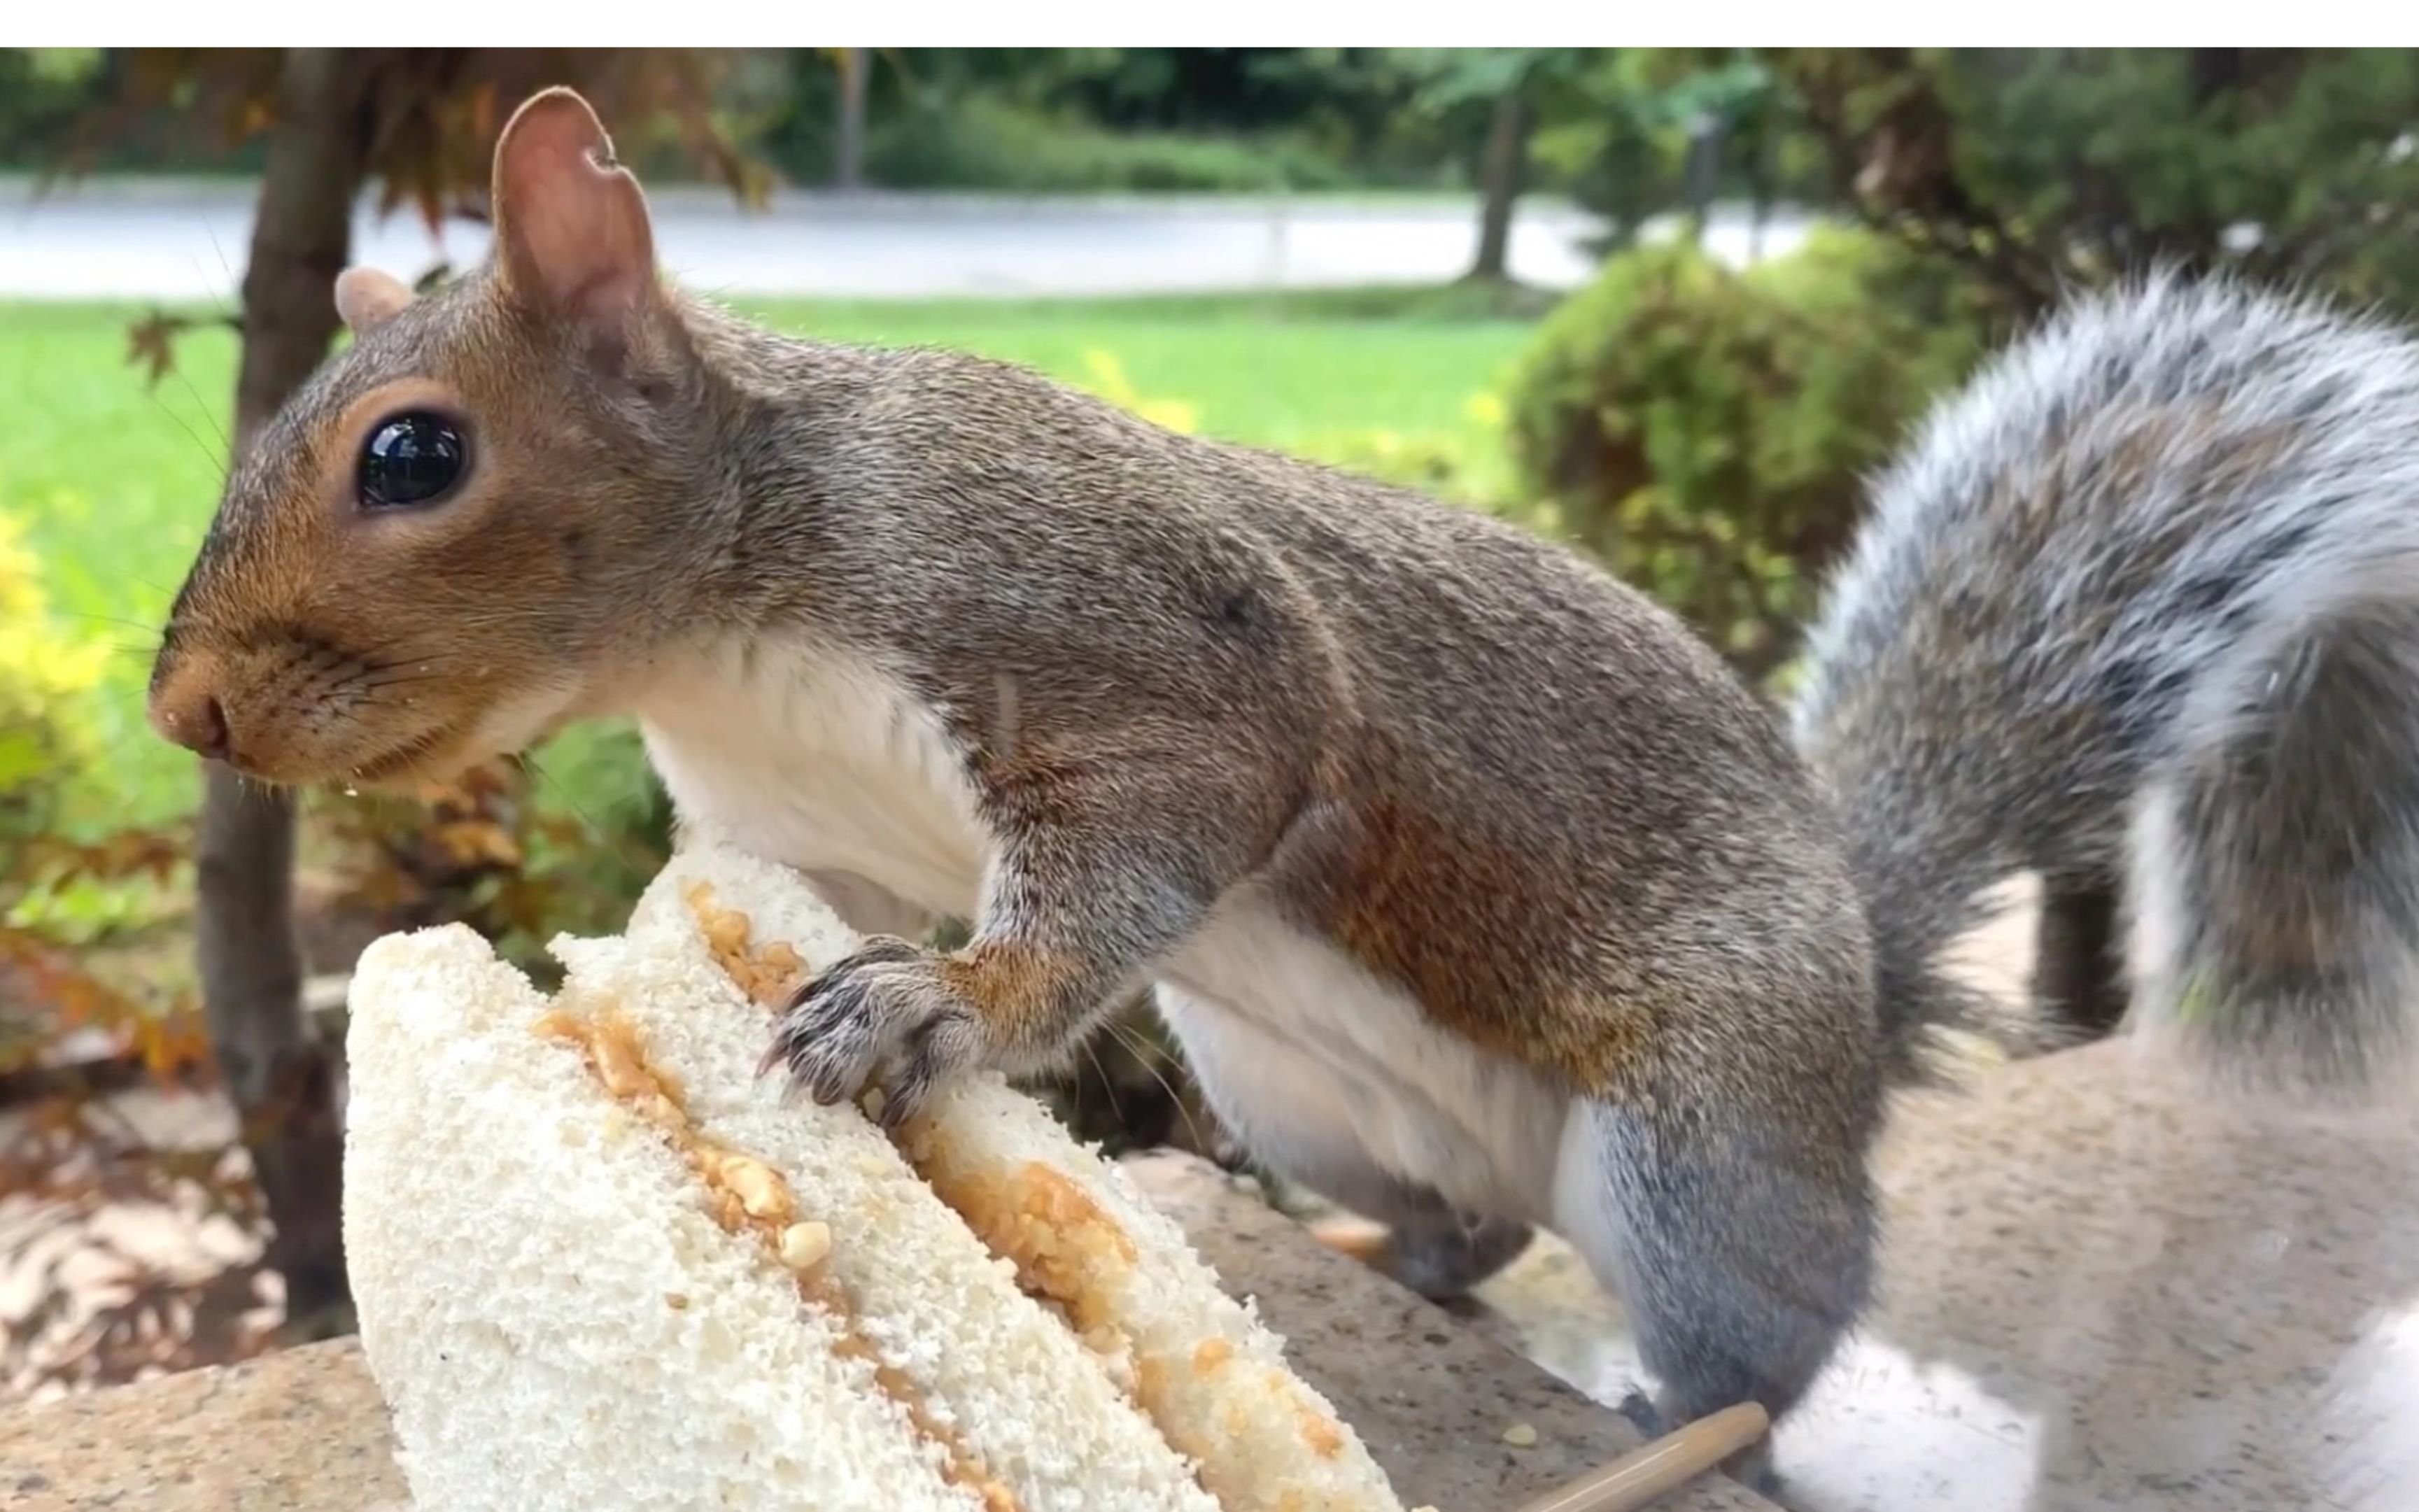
x=1663 y=1466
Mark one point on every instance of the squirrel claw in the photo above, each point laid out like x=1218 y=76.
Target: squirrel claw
x=887 y=1007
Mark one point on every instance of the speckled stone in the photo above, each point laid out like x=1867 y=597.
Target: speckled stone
x=2104 y=1287
x=301 y=1430
x=304 y=1430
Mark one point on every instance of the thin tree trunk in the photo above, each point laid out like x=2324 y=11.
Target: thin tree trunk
x=1759 y=191
x=283 y=1077
x=1500 y=173
x=848 y=156
x=1704 y=171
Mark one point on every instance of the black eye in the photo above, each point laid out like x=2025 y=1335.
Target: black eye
x=411 y=458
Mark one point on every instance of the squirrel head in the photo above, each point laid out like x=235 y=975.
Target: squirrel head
x=458 y=529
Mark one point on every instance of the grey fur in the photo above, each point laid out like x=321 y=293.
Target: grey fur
x=2139 y=609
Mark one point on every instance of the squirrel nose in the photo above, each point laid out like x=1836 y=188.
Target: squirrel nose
x=195 y=719
x=208 y=735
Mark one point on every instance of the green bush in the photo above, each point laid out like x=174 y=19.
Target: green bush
x=979 y=142
x=1461 y=464
x=46 y=682
x=1707 y=433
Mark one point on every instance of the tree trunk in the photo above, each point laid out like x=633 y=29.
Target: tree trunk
x=1704 y=170
x=1500 y=173
x=848 y=155
x=283 y=1077
x=1759 y=187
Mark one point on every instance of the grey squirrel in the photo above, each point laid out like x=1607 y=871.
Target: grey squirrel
x=1479 y=893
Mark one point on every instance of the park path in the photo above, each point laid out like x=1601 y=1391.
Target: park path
x=184 y=240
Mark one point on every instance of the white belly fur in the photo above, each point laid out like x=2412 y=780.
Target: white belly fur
x=1253 y=990
x=824 y=763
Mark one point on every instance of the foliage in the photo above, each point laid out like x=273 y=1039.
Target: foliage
x=1707 y=432
x=998 y=144
x=56 y=894
x=43 y=92
x=505 y=849
x=44 y=677
x=431 y=114
x=2042 y=168
x=75 y=1168
x=1077 y=119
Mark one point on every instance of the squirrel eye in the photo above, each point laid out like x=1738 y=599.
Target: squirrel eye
x=411 y=458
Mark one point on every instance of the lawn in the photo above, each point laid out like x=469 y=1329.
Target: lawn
x=117 y=480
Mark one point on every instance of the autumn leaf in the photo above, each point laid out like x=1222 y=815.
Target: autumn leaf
x=151 y=345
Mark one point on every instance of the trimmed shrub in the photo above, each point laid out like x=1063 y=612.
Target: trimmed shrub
x=1707 y=433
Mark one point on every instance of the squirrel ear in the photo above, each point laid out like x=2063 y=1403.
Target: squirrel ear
x=572 y=235
x=368 y=299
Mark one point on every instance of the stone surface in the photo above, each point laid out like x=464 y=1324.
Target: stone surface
x=2106 y=1289
x=301 y=1430
x=304 y=1430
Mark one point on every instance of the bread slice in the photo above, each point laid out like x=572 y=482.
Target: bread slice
x=556 y=1320
x=1078 y=1233
x=602 y=1264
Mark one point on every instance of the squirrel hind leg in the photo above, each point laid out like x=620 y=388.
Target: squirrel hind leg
x=2275 y=873
x=1740 y=1246
x=1293 y=1124
x=1429 y=1247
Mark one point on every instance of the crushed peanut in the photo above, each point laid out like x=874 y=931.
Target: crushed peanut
x=677 y=1301
x=1318 y=1431
x=769 y=975
x=1209 y=1355
x=1521 y=1436
x=805 y=1246
x=759 y=1189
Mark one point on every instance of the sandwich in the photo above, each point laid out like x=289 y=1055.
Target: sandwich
x=601 y=1264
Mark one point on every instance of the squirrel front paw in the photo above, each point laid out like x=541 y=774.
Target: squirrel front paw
x=892 y=1007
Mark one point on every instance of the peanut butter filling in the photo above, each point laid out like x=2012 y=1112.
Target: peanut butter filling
x=751 y=1199
x=769 y=975
x=1068 y=1251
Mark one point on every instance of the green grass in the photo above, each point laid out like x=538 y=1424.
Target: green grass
x=117 y=480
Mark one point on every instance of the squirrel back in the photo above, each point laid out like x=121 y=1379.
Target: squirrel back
x=2139 y=610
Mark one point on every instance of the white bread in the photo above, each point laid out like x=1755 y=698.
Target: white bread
x=554 y=1319
x=1210 y=1375
x=566 y=1310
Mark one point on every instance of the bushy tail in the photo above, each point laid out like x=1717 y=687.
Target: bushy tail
x=2274 y=875
x=2139 y=610
x=1924 y=891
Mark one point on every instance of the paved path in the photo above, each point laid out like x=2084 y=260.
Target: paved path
x=156 y=239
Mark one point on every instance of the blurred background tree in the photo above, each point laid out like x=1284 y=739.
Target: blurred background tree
x=1708 y=431
x=2050 y=168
